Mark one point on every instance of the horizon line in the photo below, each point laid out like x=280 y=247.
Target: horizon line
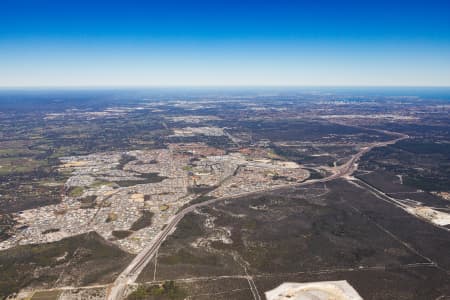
x=28 y=87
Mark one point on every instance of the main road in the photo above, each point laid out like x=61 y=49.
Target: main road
x=130 y=274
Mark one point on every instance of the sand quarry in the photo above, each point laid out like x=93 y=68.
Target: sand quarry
x=324 y=290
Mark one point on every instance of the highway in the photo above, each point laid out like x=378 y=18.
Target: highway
x=130 y=274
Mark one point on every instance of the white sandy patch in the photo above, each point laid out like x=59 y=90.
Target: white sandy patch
x=137 y=197
x=325 y=290
x=437 y=217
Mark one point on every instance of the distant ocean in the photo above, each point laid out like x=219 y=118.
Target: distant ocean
x=437 y=93
x=60 y=98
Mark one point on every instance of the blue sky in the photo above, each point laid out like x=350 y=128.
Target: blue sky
x=203 y=43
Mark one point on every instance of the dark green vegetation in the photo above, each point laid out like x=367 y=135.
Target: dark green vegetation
x=325 y=155
x=166 y=291
x=144 y=221
x=390 y=184
x=7 y=223
x=201 y=199
x=424 y=164
x=314 y=174
x=121 y=234
x=186 y=257
x=201 y=189
x=217 y=289
x=182 y=261
x=88 y=202
x=79 y=260
x=307 y=130
x=312 y=142
x=50 y=230
x=146 y=178
x=30 y=183
x=124 y=160
x=332 y=232
x=75 y=191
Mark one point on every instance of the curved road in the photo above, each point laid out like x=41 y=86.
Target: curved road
x=130 y=274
